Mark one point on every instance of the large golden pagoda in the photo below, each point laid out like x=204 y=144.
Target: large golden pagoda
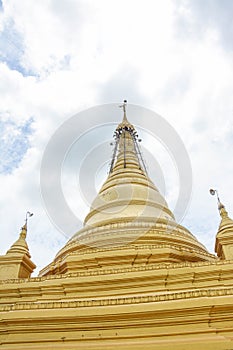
x=131 y=278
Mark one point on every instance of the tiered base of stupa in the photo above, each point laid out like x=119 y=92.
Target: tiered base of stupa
x=122 y=245
x=171 y=306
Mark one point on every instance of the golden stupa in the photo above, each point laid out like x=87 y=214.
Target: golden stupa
x=131 y=278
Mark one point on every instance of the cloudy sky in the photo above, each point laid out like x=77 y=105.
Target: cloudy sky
x=60 y=57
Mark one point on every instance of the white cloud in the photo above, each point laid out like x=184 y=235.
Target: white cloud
x=75 y=54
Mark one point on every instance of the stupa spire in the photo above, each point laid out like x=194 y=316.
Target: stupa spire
x=222 y=211
x=125 y=122
x=213 y=193
x=224 y=237
x=20 y=246
x=126 y=148
x=128 y=186
x=124 y=110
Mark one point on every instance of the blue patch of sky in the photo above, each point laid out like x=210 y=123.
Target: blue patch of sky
x=1 y=8
x=12 y=48
x=15 y=141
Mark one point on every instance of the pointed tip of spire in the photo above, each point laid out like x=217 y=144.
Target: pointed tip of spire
x=221 y=207
x=123 y=106
x=225 y=220
x=124 y=109
x=23 y=232
x=222 y=211
x=125 y=123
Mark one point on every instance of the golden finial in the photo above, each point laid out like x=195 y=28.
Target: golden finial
x=23 y=232
x=125 y=123
x=124 y=110
x=221 y=207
